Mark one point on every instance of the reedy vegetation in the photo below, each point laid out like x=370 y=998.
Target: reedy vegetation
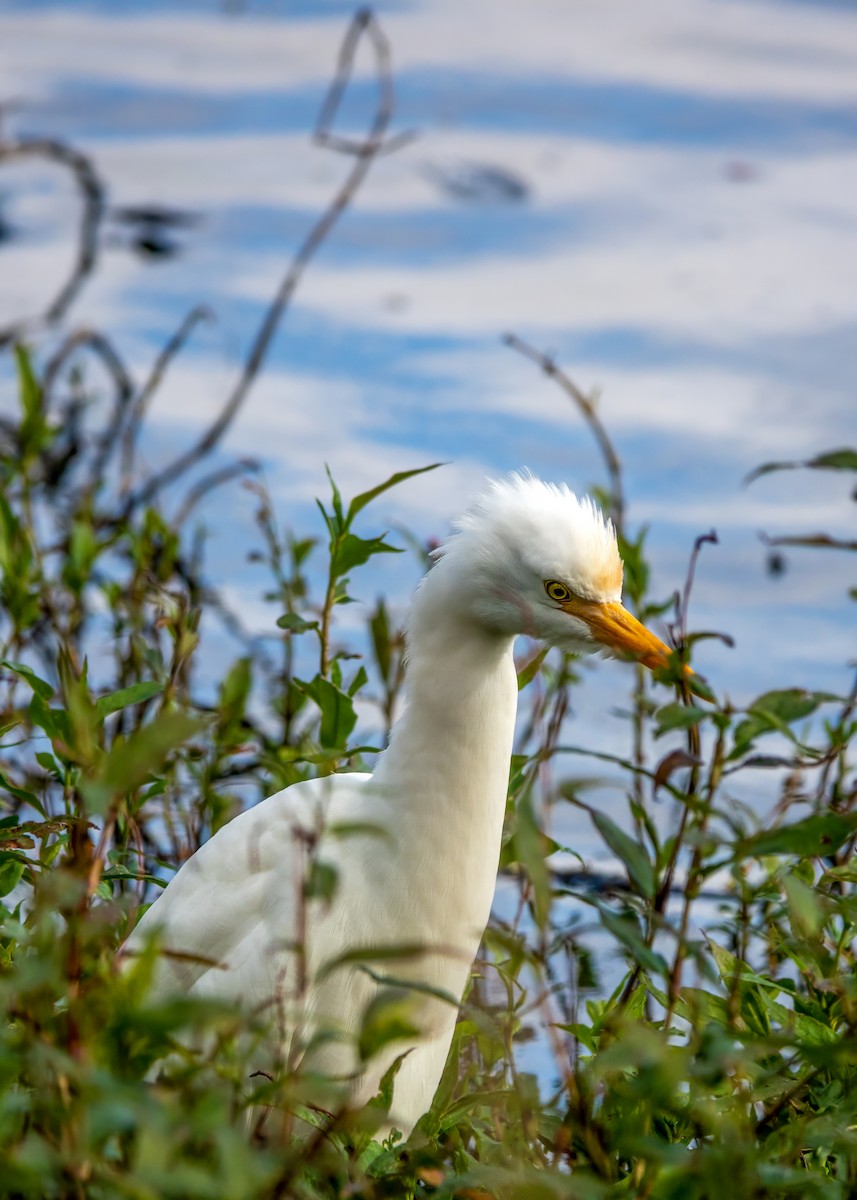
x=725 y=1062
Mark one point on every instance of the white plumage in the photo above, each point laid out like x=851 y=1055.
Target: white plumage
x=418 y=865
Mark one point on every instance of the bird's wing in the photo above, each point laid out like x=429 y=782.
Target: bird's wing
x=230 y=911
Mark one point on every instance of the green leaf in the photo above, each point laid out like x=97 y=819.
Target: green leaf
x=362 y=955
x=137 y=693
x=338 y=717
x=529 y=847
x=360 y=680
x=389 y=1017
x=678 y=716
x=805 y=910
x=330 y=521
x=295 y=624
x=833 y=460
x=751 y=996
x=790 y=704
x=337 y=498
x=235 y=690
x=131 y=761
x=775 y=712
x=631 y=853
x=626 y=928
x=11 y=870
x=54 y=721
x=352 y=551
x=39 y=686
x=83 y=550
x=29 y=388
x=321 y=882
x=19 y=793
x=346 y=829
x=360 y=502
x=531 y=669
x=379 y=628
x=819 y=834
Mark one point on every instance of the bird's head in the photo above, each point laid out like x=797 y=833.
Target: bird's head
x=531 y=557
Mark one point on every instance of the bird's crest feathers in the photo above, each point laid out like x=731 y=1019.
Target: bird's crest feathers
x=555 y=533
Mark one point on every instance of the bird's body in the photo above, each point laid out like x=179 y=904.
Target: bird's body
x=414 y=846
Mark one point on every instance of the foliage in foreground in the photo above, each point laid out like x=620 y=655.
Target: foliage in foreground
x=725 y=1062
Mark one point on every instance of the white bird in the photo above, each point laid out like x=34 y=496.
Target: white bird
x=415 y=845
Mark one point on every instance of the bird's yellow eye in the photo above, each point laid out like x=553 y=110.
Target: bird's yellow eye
x=557 y=591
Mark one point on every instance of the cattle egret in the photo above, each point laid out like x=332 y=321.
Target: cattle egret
x=413 y=847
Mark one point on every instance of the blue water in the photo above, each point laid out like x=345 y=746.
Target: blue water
x=705 y=227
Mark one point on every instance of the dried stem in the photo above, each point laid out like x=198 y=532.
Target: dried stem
x=365 y=152
x=587 y=409
x=92 y=193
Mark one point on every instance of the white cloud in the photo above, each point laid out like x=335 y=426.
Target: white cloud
x=709 y=47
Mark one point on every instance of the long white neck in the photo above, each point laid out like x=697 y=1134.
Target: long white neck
x=447 y=765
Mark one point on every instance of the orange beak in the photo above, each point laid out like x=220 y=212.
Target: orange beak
x=614 y=627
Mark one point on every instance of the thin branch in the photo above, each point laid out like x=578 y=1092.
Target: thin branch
x=365 y=152
x=683 y=602
x=611 y=459
x=209 y=482
x=141 y=403
x=95 y=341
x=92 y=193
x=823 y=540
x=98 y=344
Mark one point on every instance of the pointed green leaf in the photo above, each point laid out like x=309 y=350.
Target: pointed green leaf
x=678 y=716
x=835 y=460
x=137 y=693
x=337 y=498
x=338 y=717
x=389 y=1017
x=360 y=502
x=29 y=388
x=626 y=928
x=130 y=761
x=39 y=686
x=379 y=628
x=819 y=834
x=531 y=669
x=295 y=624
x=530 y=848
x=805 y=910
x=235 y=689
x=352 y=551
x=11 y=870
x=360 y=680
x=631 y=853
x=790 y=704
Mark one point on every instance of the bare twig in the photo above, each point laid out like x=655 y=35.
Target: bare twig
x=208 y=483
x=92 y=193
x=94 y=340
x=141 y=402
x=365 y=152
x=98 y=344
x=587 y=409
x=683 y=602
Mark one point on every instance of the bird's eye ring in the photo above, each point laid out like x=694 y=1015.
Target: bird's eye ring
x=557 y=591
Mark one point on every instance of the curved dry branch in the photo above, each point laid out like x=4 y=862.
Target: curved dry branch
x=611 y=459
x=123 y=389
x=93 y=196
x=102 y=347
x=141 y=404
x=208 y=483
x=364 y=152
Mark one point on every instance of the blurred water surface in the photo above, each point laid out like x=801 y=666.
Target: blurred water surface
x=664 y=196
